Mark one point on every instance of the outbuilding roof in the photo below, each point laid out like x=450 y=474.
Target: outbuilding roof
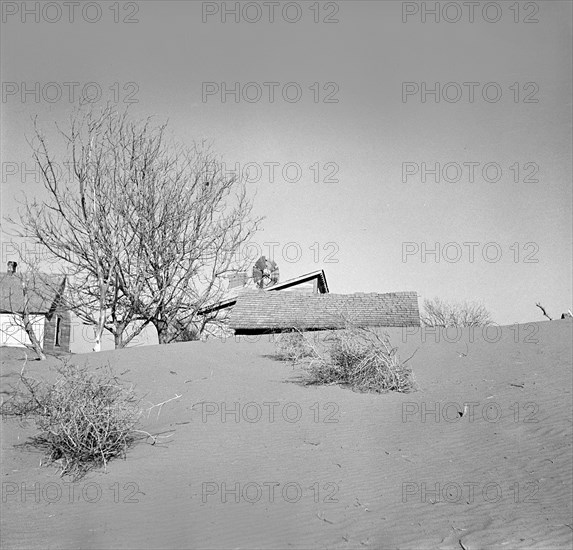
x=275 y=311
x=322 y=287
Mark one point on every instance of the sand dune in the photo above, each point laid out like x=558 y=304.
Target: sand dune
x=320 y=467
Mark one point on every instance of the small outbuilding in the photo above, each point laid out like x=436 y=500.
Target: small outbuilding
x=305 y=303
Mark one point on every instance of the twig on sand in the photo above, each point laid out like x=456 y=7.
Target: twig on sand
x=154 y=437
x=416 y=351
x=462 y=545
x=324 y=519
x=160 y=405
x=148 y=435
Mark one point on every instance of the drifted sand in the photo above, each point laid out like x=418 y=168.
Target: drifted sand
x=366 y=481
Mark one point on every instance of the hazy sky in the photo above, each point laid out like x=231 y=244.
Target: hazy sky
x=354 y=112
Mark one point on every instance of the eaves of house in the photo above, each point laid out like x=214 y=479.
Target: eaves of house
x=318 y=278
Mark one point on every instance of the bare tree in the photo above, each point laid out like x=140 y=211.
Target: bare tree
x=75 y=223
x=188 y=219
x=145 y=229
x=438 y=313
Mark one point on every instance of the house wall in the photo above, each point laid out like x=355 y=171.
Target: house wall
x=11 y=334
x=82 y=337
x=65 y=331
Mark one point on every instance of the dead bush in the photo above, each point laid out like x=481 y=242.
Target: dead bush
x=85 y=418
x=293 y=346
x=363 y=360
x=438 y=313
x=355 y=356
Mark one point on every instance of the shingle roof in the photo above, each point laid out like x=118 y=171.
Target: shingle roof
x=43 y=292
x=267 y=311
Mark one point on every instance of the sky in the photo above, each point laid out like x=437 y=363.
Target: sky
x=353 y=132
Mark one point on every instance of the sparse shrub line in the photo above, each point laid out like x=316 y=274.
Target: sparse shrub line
x=355 y=356
x=439 y=313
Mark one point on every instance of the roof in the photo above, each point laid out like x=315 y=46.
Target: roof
x=43 y=292
x=263 y=311
x=318 y=275
x=231 y=300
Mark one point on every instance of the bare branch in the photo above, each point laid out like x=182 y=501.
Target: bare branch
x=543 y=310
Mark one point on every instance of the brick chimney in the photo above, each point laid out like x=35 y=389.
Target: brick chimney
x=12 y=268
x=238 y=280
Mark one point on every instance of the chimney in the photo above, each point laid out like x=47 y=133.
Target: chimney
x=237 y=279
x=12 y=268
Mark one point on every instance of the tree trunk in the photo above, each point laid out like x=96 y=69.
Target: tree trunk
x=101 y=315
x=99 y=330
x=162 y=331
x=118 y=337
x=36 y=346
x=29 y=327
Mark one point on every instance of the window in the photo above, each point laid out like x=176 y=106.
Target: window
x=58 y=330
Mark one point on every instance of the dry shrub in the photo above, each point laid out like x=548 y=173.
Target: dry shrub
x=438 y=313
x=85 y=418
x=293 y=346
x=357 y=357
x=362 y=359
